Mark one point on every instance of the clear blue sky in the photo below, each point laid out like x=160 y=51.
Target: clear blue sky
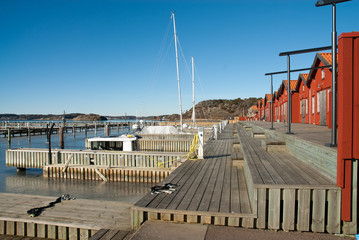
x=108 y=56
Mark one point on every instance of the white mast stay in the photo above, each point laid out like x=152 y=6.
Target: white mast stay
x=178 y=76
x=193 y=102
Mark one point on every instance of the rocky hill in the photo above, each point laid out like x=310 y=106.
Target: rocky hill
x=51 y=117
x=217 y=109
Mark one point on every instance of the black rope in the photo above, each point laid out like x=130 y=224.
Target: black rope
x=34 y=212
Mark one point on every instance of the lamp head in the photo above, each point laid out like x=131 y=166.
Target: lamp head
x=328 y=2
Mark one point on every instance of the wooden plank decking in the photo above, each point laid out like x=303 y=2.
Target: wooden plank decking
x=73 y=219
x=273 y=190
x=211 y=190
x=286 y=193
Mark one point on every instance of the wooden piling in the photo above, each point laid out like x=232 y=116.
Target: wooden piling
x=29 y=134
x=61 y=136
x=9 y=138
x=107 y=130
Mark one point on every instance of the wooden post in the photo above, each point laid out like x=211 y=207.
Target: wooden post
x=86 y=130
x=118 y=129
x=95 y=129
x=61 y=135
x=49 y=137
x=28 y=135
x=107 y=130
x=9 y=138
x=73 y=130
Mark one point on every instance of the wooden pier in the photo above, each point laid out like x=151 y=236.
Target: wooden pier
x=74 y=219
x=24 y=129
x=113 y=174
x=267 y=190
x=210 y=191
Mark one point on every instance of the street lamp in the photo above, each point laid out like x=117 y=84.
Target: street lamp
x=321 y=3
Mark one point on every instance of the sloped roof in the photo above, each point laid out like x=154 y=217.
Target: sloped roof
x=284 y=84
x=302 y=77
x=325 y=58
x=293 y=83
x=254 y=107
x=268 y=97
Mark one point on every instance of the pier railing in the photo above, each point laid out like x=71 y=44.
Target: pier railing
x=38 y=158
x=161 y=145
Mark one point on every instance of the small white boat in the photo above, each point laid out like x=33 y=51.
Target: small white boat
x=125 y=143
x=135 y=127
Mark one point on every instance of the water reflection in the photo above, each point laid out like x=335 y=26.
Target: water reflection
x=32 y=181
x=114 y=191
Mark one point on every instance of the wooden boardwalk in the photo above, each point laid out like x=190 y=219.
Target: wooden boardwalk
x=313 y=133
x=72 y=219
x=210 y=191
x=286 y=193
x=270 y=190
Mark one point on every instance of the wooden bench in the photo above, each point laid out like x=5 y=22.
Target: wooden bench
x=258 y=135
x=272 y=145
x=287 y=194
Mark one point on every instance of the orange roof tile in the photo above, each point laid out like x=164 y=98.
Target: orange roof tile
x=293 y=84
x=268 y=97
x=305 y=76
x=327 y=57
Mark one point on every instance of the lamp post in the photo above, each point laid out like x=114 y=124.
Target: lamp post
x=334 y=64
x=271 y=102
x=289 y=107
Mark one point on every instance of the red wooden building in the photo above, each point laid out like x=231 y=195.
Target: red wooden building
x=283 y=101
x=303 y=94
x=320 y=84
x=276 y=107
x=267 y=108
x=260 y=108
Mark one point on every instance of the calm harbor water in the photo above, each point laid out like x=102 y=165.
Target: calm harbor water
x=32 y=181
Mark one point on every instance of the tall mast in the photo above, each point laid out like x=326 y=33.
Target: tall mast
x=178 y=76
x=193 y=102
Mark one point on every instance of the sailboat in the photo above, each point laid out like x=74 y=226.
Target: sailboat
x=178 y=75
x=193 y=101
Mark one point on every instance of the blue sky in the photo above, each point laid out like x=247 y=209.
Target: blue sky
x=115 y=57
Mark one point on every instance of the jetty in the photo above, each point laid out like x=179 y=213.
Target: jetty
x=71 y=219
x=20 y=129
x=276 y=189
